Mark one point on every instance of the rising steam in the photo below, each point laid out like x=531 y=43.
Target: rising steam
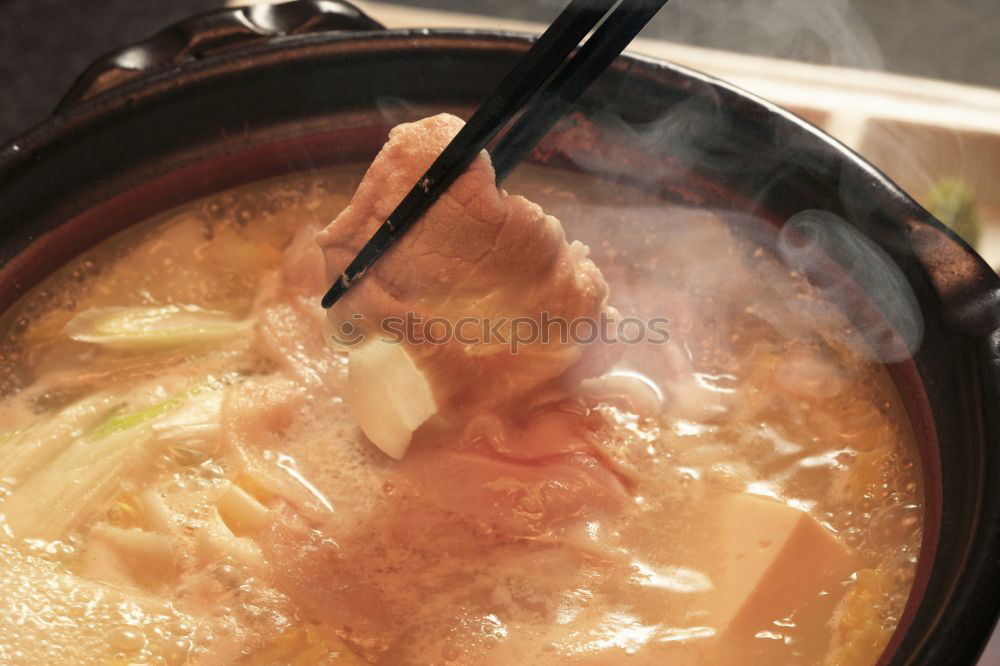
x=855 y=274
x=822 y=31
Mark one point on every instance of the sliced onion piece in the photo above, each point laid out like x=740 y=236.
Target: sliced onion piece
x=388 y=395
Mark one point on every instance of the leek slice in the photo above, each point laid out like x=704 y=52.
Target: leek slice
x=190 y=414
x=129 y=557
x=82 y=468
x=192 y=419
x=131 y=328
x=71 y=489
x=32 y=447
x=120 y=422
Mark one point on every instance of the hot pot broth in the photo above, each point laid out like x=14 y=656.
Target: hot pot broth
x=215 y=503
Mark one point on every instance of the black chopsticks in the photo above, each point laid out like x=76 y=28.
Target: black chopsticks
x=543 y=65
x=552 y=103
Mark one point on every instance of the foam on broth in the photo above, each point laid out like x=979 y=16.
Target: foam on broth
x=174 y=564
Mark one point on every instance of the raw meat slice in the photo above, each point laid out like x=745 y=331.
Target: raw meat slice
x=494 y=271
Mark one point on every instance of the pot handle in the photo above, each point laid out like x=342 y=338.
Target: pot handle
x=213 y=31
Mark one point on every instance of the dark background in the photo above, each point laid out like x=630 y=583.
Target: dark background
x=44 y=44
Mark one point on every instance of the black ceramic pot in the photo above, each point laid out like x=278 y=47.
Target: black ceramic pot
x=242 y=94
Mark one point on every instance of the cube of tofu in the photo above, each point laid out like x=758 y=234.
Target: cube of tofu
x=776 y=561
x=388 y=395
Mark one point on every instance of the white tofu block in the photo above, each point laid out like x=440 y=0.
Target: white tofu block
x=775 y=561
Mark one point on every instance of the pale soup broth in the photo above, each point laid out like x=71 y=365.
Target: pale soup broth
x=204 y=497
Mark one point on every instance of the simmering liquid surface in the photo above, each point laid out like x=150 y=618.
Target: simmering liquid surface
x=206 y=498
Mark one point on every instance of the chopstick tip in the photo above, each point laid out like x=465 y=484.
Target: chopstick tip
x=331 y=297
x=336 y=290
